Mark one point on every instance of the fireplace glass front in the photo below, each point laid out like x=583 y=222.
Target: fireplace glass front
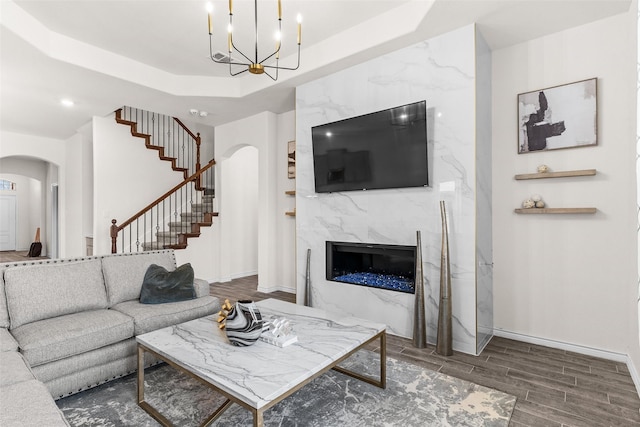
x=390 y=267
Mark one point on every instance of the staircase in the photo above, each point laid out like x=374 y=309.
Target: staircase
x=177 y=232
x=179 y=214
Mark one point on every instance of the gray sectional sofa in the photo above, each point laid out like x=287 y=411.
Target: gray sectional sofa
x=70 y=324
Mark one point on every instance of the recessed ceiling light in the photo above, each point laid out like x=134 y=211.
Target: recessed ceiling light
x=66 y=102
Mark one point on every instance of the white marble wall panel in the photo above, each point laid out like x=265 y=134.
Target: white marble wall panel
x=484 y=245
x=442 y=72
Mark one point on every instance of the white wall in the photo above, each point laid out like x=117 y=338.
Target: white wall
x=239 y=182
x=569 y=278
x=286 y=225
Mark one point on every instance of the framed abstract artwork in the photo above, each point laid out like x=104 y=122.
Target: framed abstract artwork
x=558 y=117
x=291 y=159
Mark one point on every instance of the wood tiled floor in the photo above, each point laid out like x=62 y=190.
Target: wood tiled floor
x=553 y=387
x=13 y=256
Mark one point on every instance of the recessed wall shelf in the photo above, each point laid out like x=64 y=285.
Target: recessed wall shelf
x=561 y=174
x=533 y=211
x=290 y=193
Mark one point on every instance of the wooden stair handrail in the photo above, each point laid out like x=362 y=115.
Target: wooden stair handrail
x=115 y=229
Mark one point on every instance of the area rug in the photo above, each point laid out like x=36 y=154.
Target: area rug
x=413 y=397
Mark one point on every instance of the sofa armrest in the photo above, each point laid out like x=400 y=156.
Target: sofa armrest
x=202 y=287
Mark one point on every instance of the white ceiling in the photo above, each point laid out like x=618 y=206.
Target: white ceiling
x=155 y=55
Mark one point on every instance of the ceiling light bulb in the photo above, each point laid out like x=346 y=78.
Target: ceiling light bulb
x=203 y=114
x=67 y=102
x=209 y=7
x=299 y=19
x=278 y=36
x=193 y=111
x=230 y=28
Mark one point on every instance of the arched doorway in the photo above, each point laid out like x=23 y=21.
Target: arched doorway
x=34 y=201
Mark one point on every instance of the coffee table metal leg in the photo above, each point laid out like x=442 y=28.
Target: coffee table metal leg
x=382 y=382
x=258 y=420
x=141 y=402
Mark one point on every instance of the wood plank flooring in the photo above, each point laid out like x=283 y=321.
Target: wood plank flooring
x=17 y=256
x=553 y=387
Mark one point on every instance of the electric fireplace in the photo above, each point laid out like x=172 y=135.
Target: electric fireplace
x=390 y=267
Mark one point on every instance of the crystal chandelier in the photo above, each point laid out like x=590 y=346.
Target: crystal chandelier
x=253 y=65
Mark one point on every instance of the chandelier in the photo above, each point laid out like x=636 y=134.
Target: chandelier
x=254 y=65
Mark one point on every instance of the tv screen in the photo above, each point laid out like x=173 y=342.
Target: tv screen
x=385 y=149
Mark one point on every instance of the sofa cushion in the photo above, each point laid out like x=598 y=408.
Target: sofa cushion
x=161 y=286
x=14 y=369
x=124 y=273
x=29 y=404
x=53 y=339
x=43 y=291
x=148 y=318
x=7 y=341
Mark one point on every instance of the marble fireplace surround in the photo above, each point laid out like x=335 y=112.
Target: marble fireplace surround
x=444 y=71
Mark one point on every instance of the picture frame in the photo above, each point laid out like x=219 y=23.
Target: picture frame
x=291 y=159
x=558 y=117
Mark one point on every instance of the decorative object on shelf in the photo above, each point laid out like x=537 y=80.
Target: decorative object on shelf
x=279 y=332
x=254 y=65
x=563 y=116
x=419 y=329
x=307 y=281
x=540 y=204
x=242 y=323
x=528 y=204
x=291 y=159
x=543 y=169
x=445 y=337
x=536 y=197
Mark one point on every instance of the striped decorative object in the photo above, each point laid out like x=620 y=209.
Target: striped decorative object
x=244 y=323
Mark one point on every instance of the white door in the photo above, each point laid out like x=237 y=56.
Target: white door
x=7 y=223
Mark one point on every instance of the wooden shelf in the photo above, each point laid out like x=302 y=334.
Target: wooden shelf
x=290 y=213
x=533 y=211
x=561 y=174
x=290 y=193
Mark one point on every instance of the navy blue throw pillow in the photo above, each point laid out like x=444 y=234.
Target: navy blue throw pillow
x=160 y=286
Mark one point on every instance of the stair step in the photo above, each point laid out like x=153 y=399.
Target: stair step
x=153 y=246
x=167 y=235
x=191 y=216
x=202 y=207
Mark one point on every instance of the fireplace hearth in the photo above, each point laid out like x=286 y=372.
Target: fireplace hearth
x=390 y=267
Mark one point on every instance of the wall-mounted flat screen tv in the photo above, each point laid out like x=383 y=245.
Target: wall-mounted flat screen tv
x=385 y=149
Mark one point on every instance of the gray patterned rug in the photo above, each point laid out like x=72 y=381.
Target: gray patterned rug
x=413 y=397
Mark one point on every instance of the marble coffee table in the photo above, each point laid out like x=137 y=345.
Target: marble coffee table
x=261 y=375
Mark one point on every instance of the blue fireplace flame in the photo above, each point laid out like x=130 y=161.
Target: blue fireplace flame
x=378 y=280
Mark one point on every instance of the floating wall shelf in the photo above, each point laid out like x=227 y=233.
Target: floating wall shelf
x=291 y=213
x=561 y=174
x=290 y=193
x=533 y=211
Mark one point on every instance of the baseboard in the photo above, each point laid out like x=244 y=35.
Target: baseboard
x=581 y=349
x=243 y=274
x=269 y=289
